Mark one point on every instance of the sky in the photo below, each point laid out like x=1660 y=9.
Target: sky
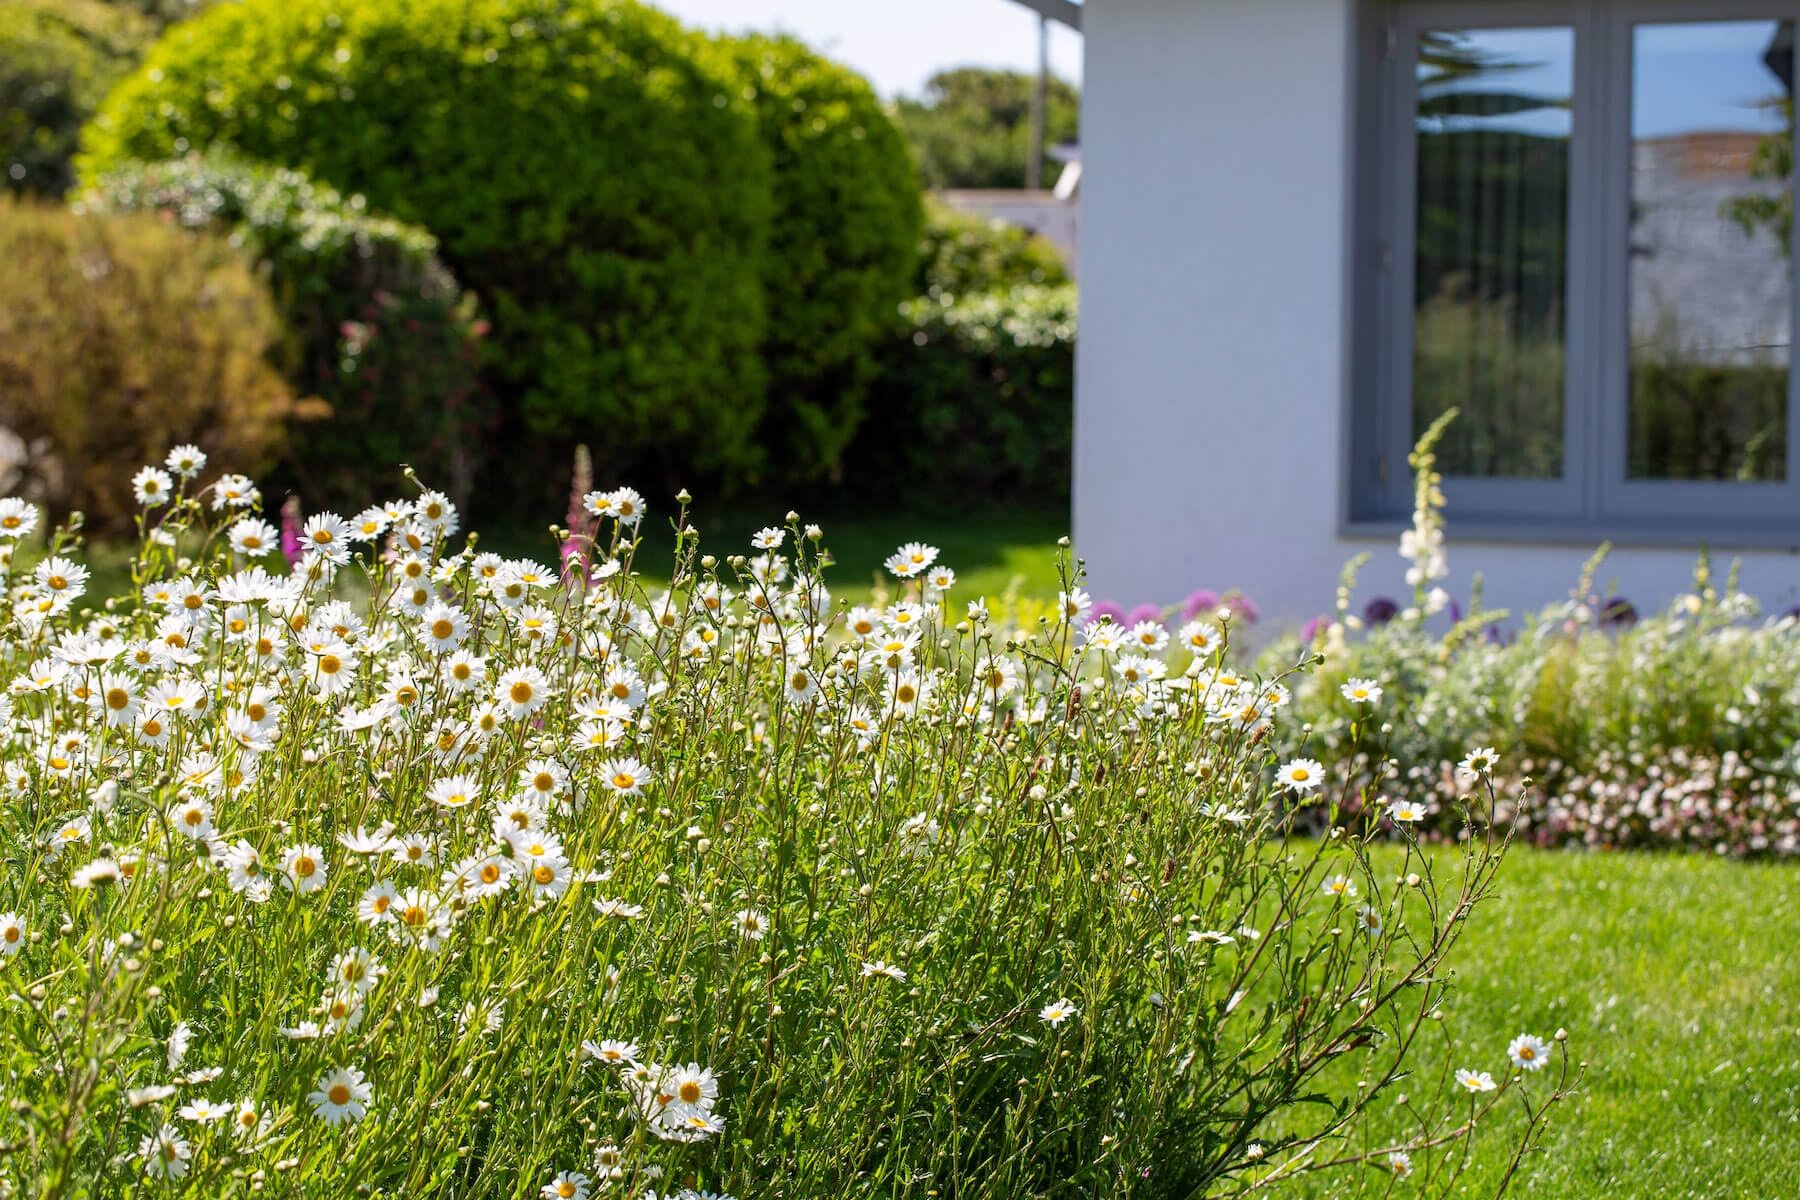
x=897 y=44
x=1704 y=76
x=1688 y=77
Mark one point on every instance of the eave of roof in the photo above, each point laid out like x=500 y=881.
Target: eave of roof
x=1066 y=11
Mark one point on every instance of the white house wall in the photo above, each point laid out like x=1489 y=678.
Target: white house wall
x=1214 y=360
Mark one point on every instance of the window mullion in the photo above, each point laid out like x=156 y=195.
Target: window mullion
x=1592 y=285
x=1793 y=354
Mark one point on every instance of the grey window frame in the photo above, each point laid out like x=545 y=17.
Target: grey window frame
x=1594 y=498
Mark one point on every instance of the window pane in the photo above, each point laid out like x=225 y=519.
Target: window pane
x=1493 y=124
x=1711 y=214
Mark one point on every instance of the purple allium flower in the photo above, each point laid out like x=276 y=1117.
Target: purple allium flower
x=1106 y=608
x=1380 y=611
x=1619 y=611
x=1242 y=607
x=1202 y=601
x=1309 y=633
x=1143 y=612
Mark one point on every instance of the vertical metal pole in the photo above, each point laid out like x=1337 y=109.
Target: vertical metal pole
x=1034 y=166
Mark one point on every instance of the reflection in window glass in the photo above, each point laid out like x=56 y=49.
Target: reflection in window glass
x=1711 y=215
x=1493 y=124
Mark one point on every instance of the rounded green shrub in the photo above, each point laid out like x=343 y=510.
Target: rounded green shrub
x=600 y=186
x=382 y=333
x=842 y=243
x=985 y=385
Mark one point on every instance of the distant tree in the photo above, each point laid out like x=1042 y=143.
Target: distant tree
x=972 y=126
x=58 y=58
x=1773 y=163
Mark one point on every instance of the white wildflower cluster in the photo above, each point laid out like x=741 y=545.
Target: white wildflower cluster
x=335 y=839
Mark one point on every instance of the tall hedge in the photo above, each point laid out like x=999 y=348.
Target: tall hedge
x=984 y=386
x=842 y=244
x=599 y=184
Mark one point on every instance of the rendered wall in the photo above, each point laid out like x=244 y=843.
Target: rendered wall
x=1213 y=363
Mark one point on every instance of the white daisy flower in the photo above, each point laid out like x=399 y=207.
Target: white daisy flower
x=165 y=1153
x=303 y=867
x=1528 y=1052
x=341 y=1095
x=152 y=486
x=1301 y=775
x=1478 y=764
x=12 y=934
x=568 y=1185
x=186 y=460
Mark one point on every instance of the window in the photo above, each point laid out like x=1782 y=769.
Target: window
x=1583 y=218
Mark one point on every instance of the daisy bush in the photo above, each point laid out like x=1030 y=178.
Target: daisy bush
x=1674 y=729
x=386 y=866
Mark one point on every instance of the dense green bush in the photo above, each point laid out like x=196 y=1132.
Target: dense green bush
x=57 y=60
x=841 y=248
x=984 y=387
x=602 y=188
x=383 y=334
x=121 y=336
x=960 y=253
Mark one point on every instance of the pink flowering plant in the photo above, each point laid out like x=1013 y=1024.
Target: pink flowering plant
x=1674 y=729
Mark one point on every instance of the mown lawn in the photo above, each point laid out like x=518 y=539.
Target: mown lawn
x=990 y=552
x=1678 y=979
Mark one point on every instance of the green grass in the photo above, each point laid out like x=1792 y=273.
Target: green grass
x=1677 y=979
x=990 y=552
